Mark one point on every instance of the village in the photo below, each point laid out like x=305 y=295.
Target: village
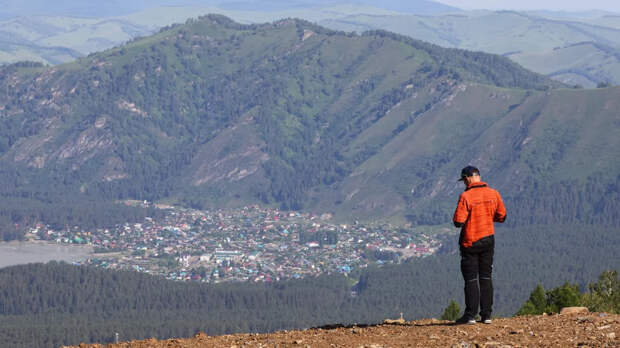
x=249 y=244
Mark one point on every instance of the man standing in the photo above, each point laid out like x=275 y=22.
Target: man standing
x=478 y=207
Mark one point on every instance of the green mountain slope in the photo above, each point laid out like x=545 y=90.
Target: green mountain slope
x=584 y=63
x=214 y=113
x=532 y=146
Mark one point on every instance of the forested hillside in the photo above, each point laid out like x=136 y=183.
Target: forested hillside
x=55 y=304
x=214 y=113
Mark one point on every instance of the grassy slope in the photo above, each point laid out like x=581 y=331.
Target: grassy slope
x=583 y=64
x=511 y=135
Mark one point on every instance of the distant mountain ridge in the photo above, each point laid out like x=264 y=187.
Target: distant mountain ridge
x=34 y=31
x=110 y=8
x=537 y=42
x=542 y=41
x=422 y=7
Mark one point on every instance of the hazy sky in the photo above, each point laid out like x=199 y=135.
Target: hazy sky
x=561 y=5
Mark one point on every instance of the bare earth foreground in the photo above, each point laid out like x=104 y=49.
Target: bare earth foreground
x=566 y=330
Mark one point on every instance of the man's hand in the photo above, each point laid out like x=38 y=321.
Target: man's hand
x=499 y=218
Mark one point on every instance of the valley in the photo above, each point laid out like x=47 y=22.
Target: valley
x=243 y=178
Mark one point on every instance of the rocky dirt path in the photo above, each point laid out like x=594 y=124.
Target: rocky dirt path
x=572 y=330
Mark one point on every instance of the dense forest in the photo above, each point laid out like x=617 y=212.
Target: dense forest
x=54 y=304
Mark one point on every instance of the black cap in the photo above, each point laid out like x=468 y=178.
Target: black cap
x=468 y=171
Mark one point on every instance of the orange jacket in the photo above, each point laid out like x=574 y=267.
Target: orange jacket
x=478 y=207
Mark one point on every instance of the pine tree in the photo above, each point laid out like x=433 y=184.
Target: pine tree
x=567 y=295
x=536 y=304
x=604 y=295
x=539 y=299
x=452 y=311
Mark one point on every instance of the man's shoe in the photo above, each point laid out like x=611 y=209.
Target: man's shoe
x=486 y=320
x=465 y=320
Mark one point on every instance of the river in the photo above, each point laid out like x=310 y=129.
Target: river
x=18 y=253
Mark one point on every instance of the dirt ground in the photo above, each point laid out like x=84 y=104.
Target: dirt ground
x=567 y=330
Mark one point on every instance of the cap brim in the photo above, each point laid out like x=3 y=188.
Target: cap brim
x=461 y=179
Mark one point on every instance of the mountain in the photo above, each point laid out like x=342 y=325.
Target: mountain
x=88 y=8
x=585 y=63
x=578 y=48
x=539 y=43
x=422 y=7
x=35 y=31
x=113 y=8
x=214 y=113
x=56 y=40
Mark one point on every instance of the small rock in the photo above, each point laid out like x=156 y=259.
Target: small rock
x=496 y=345
x=515 y=332
x=461 y=345
x=298 y=341
x=611 y=335
x=583 y=320
x=604 y=327
x=574 y=310
x=492 y=344
x=433 y=337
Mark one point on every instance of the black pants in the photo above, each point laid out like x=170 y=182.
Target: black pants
x=476 y=267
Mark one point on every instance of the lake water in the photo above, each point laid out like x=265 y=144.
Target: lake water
x=18 y=253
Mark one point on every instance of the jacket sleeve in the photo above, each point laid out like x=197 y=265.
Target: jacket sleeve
x=461 y=212
x=500 y=211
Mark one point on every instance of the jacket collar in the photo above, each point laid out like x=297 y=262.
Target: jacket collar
x=476 y=185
